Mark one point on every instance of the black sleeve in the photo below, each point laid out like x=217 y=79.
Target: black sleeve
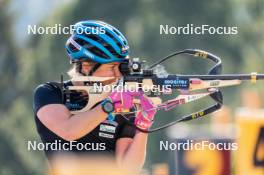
x=46 y=94
x=126 y=131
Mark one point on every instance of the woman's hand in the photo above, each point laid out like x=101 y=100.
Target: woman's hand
x=123 y=101
x=144 y=118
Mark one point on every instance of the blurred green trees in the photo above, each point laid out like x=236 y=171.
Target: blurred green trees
x=16 y=125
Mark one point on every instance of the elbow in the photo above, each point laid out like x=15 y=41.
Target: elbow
x=68 y=136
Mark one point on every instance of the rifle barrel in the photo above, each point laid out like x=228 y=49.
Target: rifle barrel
x=252 y=76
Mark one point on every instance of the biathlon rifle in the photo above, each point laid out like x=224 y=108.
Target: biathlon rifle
x=155 y=83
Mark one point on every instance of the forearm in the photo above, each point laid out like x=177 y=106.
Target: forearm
x=134 y=157
x=80 y=124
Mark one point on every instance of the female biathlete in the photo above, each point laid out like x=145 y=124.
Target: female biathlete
x=93 y=54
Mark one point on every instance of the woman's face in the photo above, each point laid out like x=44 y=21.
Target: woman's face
x=105 y=70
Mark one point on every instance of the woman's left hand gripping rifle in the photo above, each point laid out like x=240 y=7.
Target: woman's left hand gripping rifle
x=125 y=101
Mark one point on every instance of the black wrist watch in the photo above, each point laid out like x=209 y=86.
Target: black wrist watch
x=107 y=106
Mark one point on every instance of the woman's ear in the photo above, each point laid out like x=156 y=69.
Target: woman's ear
x=78 y=67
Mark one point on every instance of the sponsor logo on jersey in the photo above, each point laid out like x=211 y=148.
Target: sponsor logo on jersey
x=101 y=134
x=107 y=128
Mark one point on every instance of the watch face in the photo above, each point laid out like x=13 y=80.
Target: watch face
x=109 y=107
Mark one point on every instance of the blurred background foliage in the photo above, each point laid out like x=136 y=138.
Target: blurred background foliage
x=25 y=63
